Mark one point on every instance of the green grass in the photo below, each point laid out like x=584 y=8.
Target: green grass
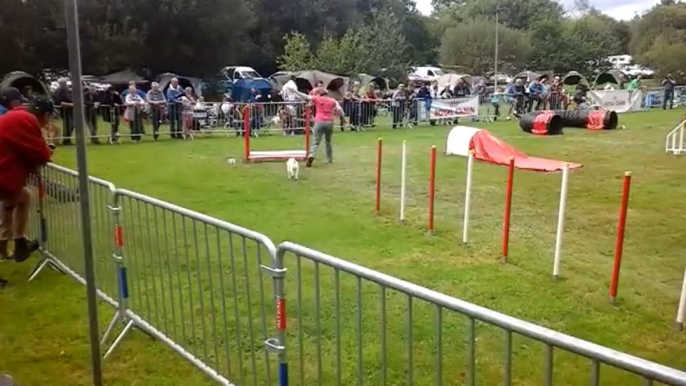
x=44 y=331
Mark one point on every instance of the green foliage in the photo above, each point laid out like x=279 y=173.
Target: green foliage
x=659 y=38
x=471 y=46
x=344 y=56
x=297 y=53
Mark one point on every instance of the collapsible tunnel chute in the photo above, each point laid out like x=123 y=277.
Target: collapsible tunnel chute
x=491 y=149
x=551 y=122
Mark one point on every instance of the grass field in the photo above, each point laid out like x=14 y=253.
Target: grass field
x=43 y=333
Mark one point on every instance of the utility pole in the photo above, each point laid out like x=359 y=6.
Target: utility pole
x=495 y=65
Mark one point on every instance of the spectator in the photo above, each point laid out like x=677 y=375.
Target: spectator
x=426 y=95
x=326 y=107
x=634 y=84
x=369 y=105
x=580 y=96
x=411 y=104
x=188 y=102
x=446 y=93
x=175 y=105
x=668 y=83
x=22 y=152
x=496 y=100
x=350 y=110
x=140 y=93
x=398 y=101
x=10 y=98
x=113 y=101
x=481 y=90
x=156 y=101
x=555 y=94
x=535 y=94
x=134 y=113
x=435 y=93
x=90 y=108
x=520 y=94
x=461 y=89
x=64 y=99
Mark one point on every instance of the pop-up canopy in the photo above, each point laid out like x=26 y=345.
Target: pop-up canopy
x=491 y=149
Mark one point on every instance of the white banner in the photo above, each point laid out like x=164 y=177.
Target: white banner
x=621 y=101
x=454 y=108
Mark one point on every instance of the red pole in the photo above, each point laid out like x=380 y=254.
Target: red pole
x=432 y=188
x=246 y=133
x=307 y=132
x=508 y=209
x=619 y=245
x=377 y=206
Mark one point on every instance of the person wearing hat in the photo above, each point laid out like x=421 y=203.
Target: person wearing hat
x=64 y=98
x=10 y=98
x=22 y=152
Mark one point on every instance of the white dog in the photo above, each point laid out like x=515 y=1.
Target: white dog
x=292 y=168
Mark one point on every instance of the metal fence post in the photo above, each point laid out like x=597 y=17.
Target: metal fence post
x=278 y=345
x=122 y=281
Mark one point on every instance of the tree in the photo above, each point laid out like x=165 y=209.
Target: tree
x=297 y=54
x=517 y=14
x=386 y=46
x=471 y=46
x=344 y=56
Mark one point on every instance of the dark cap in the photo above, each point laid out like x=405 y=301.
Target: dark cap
x=9 y=95
x=42 y=104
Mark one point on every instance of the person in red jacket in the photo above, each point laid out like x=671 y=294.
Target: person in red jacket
x=22 y=152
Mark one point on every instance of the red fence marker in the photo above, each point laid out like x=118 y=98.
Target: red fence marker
x=619 y=244
x=432 y=188
x=508 y=210
x=246 y=134
x=377 y=206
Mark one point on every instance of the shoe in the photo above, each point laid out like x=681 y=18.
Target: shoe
x=3 y=283
x=155 y=136
x=309 y=162
x=330 y=161
x=23 y=248
x=95 y=141
x=66 y=142
x=4 y=255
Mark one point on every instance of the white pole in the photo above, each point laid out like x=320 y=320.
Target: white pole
x=467 y=197
x=681 y=313
x=403 y=179
x=561 y=221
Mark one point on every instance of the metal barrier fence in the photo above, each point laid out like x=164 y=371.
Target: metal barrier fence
x=358 y=322
x=197 y=284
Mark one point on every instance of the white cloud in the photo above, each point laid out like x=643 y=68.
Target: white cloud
x=619 y=9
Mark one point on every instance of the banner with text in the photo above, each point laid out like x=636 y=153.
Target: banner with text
x=454 y=108
x=621 y=101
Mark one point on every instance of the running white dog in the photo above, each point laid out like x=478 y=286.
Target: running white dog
x=293 y=168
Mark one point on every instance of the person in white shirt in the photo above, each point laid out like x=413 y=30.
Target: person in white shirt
x=134 y=113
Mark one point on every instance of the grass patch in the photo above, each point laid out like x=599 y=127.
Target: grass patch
x=332 y=209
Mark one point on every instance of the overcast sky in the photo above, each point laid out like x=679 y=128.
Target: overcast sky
x=619 y=9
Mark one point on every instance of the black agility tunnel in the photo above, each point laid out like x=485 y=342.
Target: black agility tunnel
x=589 y=119
x=552 y=122
x=541 y=123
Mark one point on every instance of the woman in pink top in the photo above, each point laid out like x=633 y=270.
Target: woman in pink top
x=325 y=109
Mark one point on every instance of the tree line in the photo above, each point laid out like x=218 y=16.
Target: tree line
x=379 y=37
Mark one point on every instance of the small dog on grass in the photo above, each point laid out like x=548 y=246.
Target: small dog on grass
x=292 y=168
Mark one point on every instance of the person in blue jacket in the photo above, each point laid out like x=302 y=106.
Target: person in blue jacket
x=424 y=94
x=174 y=94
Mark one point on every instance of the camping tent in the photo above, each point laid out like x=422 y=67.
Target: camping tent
x=452 y=79
x=122 y=77
x=184 y=81
x=21 y=79
x=528 y=76
x=365 y=80
x=573 y=78
x=240 y=91
x=334 y=84
x=278 y=79
x=612 y=76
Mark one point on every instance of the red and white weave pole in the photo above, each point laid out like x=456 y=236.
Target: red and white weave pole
x=467 y=197
x=377 y=204
x=246 y=134
x=561 y=221
x=619 y=244
x=432 y=189
x=403 y=179
x=508 y=209
x=681 y=312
